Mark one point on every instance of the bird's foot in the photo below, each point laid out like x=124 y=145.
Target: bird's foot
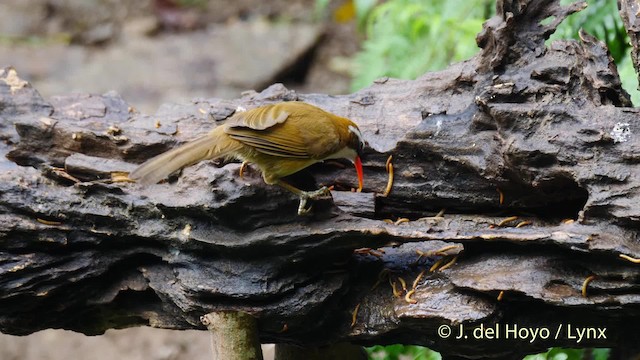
x=305 y=196
x=243 y=169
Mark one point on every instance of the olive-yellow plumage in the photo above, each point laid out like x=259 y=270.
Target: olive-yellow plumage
x=280 y=139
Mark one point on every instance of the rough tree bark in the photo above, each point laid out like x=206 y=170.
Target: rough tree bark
x=548 y=130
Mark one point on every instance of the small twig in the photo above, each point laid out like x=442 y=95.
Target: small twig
x=64 y=174
x=523 y=223
x=401 y=221
x=500 y=295
x=501 y=196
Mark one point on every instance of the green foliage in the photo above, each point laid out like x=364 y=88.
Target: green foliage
x=600 y=19
x=570 y=354
x=396 y=352
x=363 y=9
x=629 y=78
x=406 y=38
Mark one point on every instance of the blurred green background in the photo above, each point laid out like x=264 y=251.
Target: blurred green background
x=406 y=38
x=408 y=352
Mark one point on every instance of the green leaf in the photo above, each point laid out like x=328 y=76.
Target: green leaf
x=406 y=38
x=363 y=8
x=396 y=352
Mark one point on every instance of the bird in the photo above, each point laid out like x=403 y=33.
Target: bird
x=280 y=139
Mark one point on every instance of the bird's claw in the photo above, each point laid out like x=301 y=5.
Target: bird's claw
x=243 y=168
x=305 y=196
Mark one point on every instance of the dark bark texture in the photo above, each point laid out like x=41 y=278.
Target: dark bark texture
x=548 y=130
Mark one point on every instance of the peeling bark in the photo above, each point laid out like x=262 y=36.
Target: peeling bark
x=548 y=130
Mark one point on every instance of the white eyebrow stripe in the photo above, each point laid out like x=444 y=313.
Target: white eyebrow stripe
x=356 y=131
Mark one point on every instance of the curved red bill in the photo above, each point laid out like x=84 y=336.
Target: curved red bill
x=358 y=164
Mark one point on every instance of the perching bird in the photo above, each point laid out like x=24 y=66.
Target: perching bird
x=281 y=139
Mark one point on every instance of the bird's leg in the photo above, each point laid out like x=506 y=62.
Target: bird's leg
x=305 y=196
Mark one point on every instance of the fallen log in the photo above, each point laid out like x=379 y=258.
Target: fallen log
x=530 y=149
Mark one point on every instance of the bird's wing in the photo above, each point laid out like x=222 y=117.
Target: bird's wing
x=260 y=118
x=265 y=129
x=269 y=142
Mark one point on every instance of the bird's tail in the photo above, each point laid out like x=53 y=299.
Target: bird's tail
x=213 y=145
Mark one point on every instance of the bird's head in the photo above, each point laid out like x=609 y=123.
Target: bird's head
x=353 y=147
x=356 y=143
